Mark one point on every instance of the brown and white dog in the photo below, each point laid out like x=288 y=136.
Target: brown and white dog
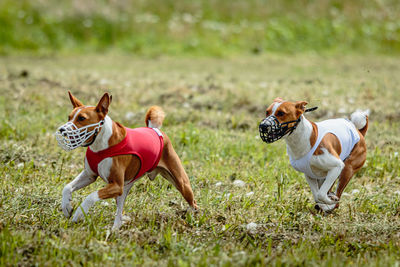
x=92 y=127
x=323 y=151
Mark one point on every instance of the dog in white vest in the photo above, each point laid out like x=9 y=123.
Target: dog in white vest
x=324 y=151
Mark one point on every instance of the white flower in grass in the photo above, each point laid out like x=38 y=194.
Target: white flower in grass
x=396 y=154
x=345 y=194
x=20 y=165
x=397 y=192
x=249 y=194
x=239 y=183
x=355 y=191
x=252 y=227
x=218 y=184
x=239 y=253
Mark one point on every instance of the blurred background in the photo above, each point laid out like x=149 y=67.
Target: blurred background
x=205 y=27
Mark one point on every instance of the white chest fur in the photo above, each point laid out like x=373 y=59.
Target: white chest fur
x=298 y=143
x=101 y=143
x=103 y=137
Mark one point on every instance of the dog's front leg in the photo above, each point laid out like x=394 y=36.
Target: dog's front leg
x=314 y=186
x=313 y=183
x=120 y=206
x=333 y=174
x=111 y=190
x=85 y=178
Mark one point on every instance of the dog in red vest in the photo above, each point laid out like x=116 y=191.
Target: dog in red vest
x=119 y=155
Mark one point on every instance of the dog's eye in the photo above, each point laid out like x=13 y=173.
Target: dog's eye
x=267 y=113
x=81 y=118
x=280 y=113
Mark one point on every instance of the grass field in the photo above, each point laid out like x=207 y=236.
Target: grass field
x=204 y=27
x=213 y=109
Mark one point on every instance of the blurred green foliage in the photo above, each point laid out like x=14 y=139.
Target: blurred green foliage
x=206 y=27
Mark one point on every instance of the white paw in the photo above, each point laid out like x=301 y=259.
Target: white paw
x=323 y=198
x=66 y=208
x=78 y=215
x=326 y=208
x=332 y=196
x=117 y=225
x=66 y=203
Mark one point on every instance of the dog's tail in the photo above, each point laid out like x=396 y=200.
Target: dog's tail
x=360 y=120
x=155 y=117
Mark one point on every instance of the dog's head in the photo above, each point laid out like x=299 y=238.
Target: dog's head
x=84 y=123
x=281 y=119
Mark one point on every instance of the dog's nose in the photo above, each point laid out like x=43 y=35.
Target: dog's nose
x=264 y=125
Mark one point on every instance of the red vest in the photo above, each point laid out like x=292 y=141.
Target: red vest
x=146 y=143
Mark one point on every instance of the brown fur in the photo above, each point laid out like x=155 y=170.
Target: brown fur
x=125 y=167
x=289 y=111
x=156 y=115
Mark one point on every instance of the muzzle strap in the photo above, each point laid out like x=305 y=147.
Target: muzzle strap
x=311 y=109
x=272 y=130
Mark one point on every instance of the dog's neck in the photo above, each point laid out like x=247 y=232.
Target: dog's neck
x=110 y=134
x=299 y=142
x=103 y=136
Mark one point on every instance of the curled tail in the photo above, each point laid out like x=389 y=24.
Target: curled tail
x=155 y=117
x=360 y=120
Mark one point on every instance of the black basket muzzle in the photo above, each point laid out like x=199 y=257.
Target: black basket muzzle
x=272 y=130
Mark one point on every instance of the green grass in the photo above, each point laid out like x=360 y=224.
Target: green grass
x=213 y=109
x=207 y=27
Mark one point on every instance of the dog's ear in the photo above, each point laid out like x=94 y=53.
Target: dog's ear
x=300 y=106
x=278 y=99
x=102 y=106
x=75 y=101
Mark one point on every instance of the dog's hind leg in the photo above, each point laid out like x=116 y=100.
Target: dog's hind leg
x=175 y=173
x=352 y=164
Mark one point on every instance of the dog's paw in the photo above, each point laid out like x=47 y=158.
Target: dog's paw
x=78 y=215
x=194 y=206
x=333 y=196
x=325 y=208
x=66 y=208
x=323 y=198
x=116 y=226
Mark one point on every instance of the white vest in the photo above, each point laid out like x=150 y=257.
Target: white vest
x=343 y=129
